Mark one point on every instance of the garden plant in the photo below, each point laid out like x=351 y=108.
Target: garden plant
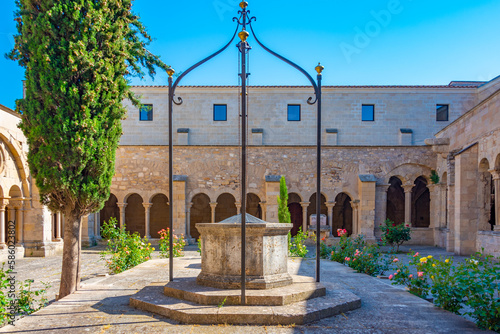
x=178 y=242
x=124 y=250
x=395 y=234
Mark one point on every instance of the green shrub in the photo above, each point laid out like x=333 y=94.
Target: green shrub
x=394 y=234
x=199 y=245
x=296 y=245
x=479 y=277
x=124 y=250
x=474 y=283
x=178 y=244
x=354 y=252
x=23 y=302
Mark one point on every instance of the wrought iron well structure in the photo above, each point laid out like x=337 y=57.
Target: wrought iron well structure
x=244 y=21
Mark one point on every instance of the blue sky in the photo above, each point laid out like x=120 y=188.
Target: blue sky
x=366 y=42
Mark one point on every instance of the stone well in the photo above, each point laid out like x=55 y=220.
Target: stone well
x=266 y=254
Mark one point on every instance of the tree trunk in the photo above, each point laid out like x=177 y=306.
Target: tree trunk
x=70 y=274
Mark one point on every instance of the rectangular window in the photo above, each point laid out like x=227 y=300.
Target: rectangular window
x=220 y=112
x=442 y=112
x=294 y=112
x=368 y=112
x=146 y=112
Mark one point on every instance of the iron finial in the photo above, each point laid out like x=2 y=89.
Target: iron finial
x=170 y=72
x=243 y=4
x=243 y=35
x=319 y=68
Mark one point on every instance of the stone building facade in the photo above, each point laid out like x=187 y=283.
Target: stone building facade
x=31 y=227
x=380 y=144
x=376 y=162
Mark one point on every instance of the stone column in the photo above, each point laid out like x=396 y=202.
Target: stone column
x=304 y=215
x=2 y=225
x=188 y=220
x=408 y=188
x=263 y=206
x=380 y=204
x=58 y=226
x=238 y=207
x=355 y=223
x=19 y=224
x=122 y=207
x=213 y=205
x=147 y=231
x=329 y=206
x=97 y=227
x=496 y=180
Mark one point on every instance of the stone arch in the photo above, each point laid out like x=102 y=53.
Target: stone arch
x=420 y=203
x=253 y=205
x=19 y=161
x=226 y=207
x=408 y=172
x=1 y=191
x=497 y=162
x=342 y=214
x=16 y=204
x=200 y=213
x=296 y=214
x=395 y=200
x=311 y=209
x=486 y=196
x=135 y=220
x=110 y=209
x=159 y=214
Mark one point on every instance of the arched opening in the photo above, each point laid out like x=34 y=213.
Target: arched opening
x=295 y=212
x=159 y=217
x=395 y=201
x=342 y=214
x=486 y=197
x=421 y=203
x=135 y=220
x=311 y=209
x=253 y=205
x=200 y=213
x=225 y=208
x=109 y=210
x=16 y=204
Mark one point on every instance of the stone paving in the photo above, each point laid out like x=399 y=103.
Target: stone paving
x=102 y=303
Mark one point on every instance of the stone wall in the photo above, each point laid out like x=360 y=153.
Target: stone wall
x=214 y=170
x=396 y=108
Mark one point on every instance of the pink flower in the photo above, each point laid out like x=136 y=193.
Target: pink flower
x=347 y=259
x=161 y=238
x=416 y=254
x=411 y=276
x=395 y=260
x=420 y=274
x=127 y=252
x=391 y=277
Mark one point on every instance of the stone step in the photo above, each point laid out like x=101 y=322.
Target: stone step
x=336 y=301
x=302 y=288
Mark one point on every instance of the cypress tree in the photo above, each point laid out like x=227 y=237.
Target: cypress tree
x=283 y=212
x=77 y=55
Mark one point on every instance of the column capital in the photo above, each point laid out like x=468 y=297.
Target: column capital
x=121 y=205
x=495 y=173
x=330 y=205
x=213 y=204
x=304 y=204
x=238 y=204
x=408 y=187
x=355 y=204
x=189 y=205
x=147 y=206
x=263 y=203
